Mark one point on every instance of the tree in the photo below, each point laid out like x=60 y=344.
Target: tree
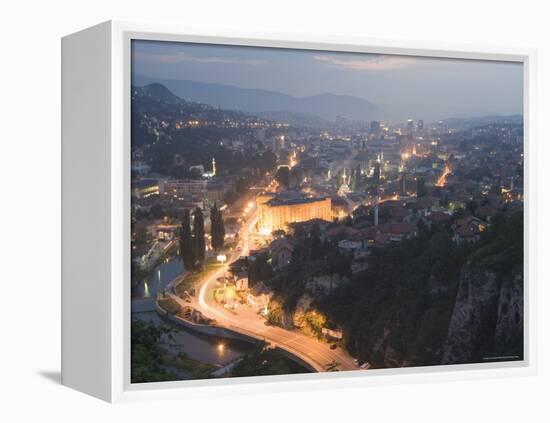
x=217 y=228
x=198 y=236
x=146 y=354
x=156 y=211
x=186 y=241
x=283 y=176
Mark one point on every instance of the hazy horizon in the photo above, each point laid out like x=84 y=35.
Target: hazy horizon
x=431 y=88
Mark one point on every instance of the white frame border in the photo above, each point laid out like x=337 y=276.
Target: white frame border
x=121 y=389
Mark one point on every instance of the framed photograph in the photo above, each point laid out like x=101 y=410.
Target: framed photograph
x=253 y=212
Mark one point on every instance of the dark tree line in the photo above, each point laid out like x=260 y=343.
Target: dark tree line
x=217 y=228
x=186 y=241
x=192 y=241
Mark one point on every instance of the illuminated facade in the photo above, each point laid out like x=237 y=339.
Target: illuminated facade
x=276 y=213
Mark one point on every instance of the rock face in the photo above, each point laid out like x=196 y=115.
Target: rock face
x=487 y=320
x=509 y=326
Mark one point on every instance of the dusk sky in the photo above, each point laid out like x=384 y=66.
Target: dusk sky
x=460 y=87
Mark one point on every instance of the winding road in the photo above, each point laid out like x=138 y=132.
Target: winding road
x=246 y=321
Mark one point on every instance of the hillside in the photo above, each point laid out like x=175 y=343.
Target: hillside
x=158 y=100
x=326 y=106
x=428 y=302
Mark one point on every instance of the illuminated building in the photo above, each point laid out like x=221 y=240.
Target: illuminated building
x=276 y=213
x=344 y=188
x=144 y=188
x=212 y=173
x=183 y=192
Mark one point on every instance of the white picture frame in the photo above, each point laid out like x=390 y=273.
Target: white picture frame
x=96 y=207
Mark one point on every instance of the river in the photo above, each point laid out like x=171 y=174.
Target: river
x=198 y=347
x=158 y=279
x=207 y=349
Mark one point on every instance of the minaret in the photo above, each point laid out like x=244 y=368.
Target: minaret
x=376 y=210
x=213 y=166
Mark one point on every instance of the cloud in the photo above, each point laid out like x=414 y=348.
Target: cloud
x=181 y=57
x=368 y=63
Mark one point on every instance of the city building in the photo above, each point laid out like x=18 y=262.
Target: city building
x=353 y=246
x=144 y=188
x=468 y=230
x=400 y=231
x=183 y=193
x=166 y=231
x=259 y=296
x=278 y=212
x=215 y=192
x=281 y=253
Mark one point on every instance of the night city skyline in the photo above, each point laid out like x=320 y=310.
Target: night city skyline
x=306 y=212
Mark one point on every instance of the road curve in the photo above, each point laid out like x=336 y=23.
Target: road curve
x=246 y=321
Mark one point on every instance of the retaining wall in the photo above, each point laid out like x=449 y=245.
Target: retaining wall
x=239 y=334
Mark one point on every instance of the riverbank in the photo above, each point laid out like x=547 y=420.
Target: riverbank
x=211 y=328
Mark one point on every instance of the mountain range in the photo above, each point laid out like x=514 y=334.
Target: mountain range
x=326 y=106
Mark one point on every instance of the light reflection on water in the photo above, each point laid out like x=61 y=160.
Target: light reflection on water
x=199 y=347
x=158 y=280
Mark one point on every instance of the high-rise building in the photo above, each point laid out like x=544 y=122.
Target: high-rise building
x=420 y=125
x=375 y=127
x=410 y=126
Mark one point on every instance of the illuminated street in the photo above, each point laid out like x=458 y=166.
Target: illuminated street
x=246 y=321
x=346 y=235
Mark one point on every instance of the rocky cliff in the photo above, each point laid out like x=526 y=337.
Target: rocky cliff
x=428 y=302
x=487 y=320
